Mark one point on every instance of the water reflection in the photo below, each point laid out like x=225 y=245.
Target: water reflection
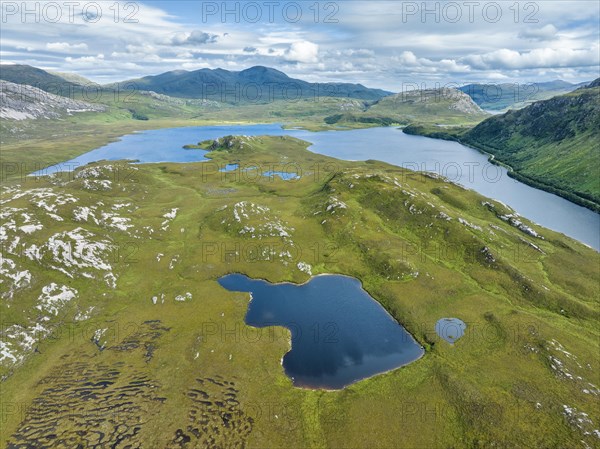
x=340 y=334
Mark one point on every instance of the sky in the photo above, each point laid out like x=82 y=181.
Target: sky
x=384 y=44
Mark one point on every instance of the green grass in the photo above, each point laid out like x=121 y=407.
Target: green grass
x=494 y=388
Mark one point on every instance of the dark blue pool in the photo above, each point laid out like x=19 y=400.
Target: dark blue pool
x=340 y=334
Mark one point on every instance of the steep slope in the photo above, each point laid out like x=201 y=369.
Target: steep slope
x=255 y=85
x=21 y=101
x=435 y=106
x=553 y=143
x=500 y=97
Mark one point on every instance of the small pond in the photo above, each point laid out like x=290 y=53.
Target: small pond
x=284 y=175
x=340 y=334
x=450 y=329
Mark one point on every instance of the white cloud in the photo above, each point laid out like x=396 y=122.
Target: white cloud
x=370 y=44
x=537 y=58
x=195 y=37
x=545 y=33
x=407 y=58
x=65 y=46
x=303 y=51
x=84 y=61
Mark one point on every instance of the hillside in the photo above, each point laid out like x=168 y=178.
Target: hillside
x=435 y=106
x=258 y=93
x=254 y=85
x=551 y=143
x=21 y=102
x=53 y=83
x=116 y=333
x=503 y=96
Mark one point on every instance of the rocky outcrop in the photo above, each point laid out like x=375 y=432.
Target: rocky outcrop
x=21 y=102
x=454 y=99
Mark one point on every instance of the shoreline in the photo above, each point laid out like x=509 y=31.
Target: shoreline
x=512 y=173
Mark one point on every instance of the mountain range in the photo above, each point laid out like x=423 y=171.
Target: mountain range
x=253 y=85
x=259 y=93
x=259 y=85
x=256 y=85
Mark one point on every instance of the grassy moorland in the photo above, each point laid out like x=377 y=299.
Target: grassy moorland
x=136 y=343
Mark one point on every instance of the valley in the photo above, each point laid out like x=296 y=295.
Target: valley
x=123 y=108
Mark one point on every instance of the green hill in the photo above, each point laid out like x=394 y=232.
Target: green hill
x=552 y=143
x=223 y=95
x=53 y=83
x=433 y=106
x=206 y=95
x=500 y=97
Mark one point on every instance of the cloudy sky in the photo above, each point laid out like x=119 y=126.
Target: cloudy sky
x=378 y=43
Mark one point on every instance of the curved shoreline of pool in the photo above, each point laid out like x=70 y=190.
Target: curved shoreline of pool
x=382 y=344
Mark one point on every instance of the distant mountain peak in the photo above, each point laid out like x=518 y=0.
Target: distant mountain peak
x=260 y=69
x=228 y=86
x=177 y=72
x=504 y=96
